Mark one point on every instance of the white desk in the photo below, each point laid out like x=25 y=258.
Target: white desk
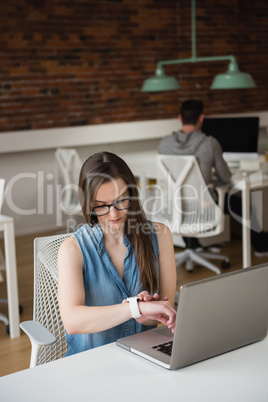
x=251 y=182
x=7 y=226
x=112 y=374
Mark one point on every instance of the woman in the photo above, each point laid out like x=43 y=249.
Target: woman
x=117 y=254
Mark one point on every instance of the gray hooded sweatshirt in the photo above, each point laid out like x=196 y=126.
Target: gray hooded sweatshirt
x=206 y=149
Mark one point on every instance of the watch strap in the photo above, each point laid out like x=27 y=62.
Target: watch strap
x=133 y=302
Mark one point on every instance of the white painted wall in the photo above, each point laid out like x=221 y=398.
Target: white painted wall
x=27 y=163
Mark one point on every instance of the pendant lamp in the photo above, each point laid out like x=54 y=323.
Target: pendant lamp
x=160 y=82
x=232 y=79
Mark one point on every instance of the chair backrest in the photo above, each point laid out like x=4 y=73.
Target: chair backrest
x=68 y=165
x=46 y=307
x=184 y=200
x=2 y=192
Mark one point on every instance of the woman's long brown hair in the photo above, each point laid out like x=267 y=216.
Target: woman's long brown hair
x=101 y=168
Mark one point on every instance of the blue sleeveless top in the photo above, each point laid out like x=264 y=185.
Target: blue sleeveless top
x=104 y=286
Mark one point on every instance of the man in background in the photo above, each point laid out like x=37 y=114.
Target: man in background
x=190 y=140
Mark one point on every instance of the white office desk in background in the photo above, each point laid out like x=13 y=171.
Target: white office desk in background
x=109 y=373
x=143 y=165
x=246 y=182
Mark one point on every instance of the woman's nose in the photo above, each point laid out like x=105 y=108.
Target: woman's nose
x=113 y=211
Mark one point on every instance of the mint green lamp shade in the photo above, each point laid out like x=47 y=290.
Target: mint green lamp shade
x=233 y=79
x=160 y=82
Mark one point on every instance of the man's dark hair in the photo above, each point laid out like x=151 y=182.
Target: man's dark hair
x=191 y=110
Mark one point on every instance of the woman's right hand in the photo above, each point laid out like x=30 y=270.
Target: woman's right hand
x=157 y=310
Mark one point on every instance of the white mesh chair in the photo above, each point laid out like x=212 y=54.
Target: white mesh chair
x=184 y=203
x=46 y=331
x=67 y=170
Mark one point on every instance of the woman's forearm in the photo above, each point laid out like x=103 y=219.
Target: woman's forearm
x=86 y=320
x=79 y=319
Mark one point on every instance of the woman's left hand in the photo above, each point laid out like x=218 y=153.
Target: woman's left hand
x=145 y=296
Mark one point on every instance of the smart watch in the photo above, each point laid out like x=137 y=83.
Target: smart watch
x=133 y=302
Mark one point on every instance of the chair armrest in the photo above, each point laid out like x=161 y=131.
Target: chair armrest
x=39 y=336
x=221 y=190
x=37 y=333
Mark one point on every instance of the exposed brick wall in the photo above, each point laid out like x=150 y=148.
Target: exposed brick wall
x=80 y=62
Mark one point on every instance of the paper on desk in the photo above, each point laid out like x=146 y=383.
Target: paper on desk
x=250 y=166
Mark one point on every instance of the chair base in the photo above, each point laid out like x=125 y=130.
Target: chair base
x=189 y=257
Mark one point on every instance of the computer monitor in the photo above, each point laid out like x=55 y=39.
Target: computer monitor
x=235 y=134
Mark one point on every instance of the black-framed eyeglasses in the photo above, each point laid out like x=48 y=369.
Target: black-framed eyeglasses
x=120 y=205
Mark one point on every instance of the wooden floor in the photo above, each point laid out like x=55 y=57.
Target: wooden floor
x=15 y=353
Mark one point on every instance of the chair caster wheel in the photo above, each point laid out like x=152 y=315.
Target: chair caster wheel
x=189 y=266
x=226 y=264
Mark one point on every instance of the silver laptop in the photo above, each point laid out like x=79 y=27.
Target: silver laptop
x=214 y=316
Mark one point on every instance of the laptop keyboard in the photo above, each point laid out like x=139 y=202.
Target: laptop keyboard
x=164 y=347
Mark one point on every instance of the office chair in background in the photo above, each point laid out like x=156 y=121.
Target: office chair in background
x=184 y=203
x=46 y=332
x=67 y=170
